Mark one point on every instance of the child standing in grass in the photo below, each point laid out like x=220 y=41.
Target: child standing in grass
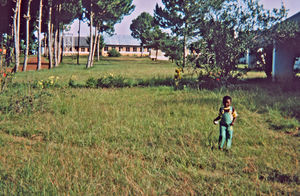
x=227 y=115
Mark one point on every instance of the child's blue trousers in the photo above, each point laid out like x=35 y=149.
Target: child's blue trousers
x=226 y=133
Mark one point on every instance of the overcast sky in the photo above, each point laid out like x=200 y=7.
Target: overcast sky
x=149 y=5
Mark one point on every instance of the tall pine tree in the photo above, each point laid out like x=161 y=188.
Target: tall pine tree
x=182 y=18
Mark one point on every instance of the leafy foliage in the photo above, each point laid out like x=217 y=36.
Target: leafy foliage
x=50 y=82
x=113 y=53
x=226 y=34
x=141 y=25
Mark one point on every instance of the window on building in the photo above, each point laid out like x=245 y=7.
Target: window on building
x=127 y=49
x=114 y=47
x=134 y=49
x=120 y=49
x=105 y=48
x=82 y=50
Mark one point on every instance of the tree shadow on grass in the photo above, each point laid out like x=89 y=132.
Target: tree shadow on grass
x=274 y=175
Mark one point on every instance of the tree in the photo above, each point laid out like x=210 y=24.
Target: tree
x=49 y=35
x=28 y=18
x=139 y=26
x=172 y=48
x=229 y=30
x=103 y=15
x=16 y=27
x=60 y=13
x=100 y=45
x=154 y=38
x=39 y=66
x=182 y=18
x=80 y=18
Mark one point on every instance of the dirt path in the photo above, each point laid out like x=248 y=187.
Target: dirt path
x=32 y=65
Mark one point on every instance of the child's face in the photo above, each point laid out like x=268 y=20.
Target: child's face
x=227 y=103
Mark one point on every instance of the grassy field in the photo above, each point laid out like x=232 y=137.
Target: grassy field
x=144 y=141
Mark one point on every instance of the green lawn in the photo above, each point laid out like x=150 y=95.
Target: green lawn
x=132 y=67
x=150 y=140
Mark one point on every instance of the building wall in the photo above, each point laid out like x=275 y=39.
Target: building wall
x=283 y=61
x=126 y=50
x=160 y=55
x=73 y=51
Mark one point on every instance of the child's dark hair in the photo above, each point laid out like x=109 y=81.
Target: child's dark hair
x=226 y=98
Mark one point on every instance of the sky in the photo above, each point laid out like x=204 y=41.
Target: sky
x=148 y=6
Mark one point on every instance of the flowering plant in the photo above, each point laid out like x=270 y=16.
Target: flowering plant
x=177 y=78
x=5 y=78
x=50 y=82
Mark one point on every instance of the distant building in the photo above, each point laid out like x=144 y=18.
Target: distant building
x=125 y=44
x=285 y=54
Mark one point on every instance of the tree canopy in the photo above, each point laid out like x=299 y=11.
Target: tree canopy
x=142 y=25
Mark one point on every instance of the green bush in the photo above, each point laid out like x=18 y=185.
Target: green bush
x=91 y=83
x=112 y=81
x=43 y=84
x=156 y=81
x=114 y=53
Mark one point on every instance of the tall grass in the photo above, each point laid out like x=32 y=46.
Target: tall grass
x=150 y=140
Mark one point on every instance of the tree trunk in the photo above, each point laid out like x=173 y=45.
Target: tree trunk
x=95 y=45
x=27 y=17
x=50 y=51
x=78 y=45
x=39 y=66
x=98 y=47
x=156 y=54
x=59 y=50
x=184 y=51
x=88 y=65
x=1 y=53
x=55 y=47
x=16 y=26
x=45 y=51
x=62 y=47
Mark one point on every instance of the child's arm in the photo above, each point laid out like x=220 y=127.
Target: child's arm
x=233 y=120
x=234 y=115
x=216 y=120
x=219 y=117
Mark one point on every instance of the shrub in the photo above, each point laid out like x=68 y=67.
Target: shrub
x=156 y=81
x=91 y=83
x=114 y=53
x=112 y=81
x=50 y=82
